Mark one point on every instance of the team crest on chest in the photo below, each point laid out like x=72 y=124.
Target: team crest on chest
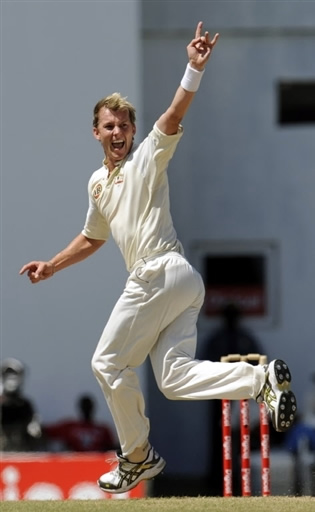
x=97 y=190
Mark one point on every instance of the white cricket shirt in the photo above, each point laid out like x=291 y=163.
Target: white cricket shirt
x=133 y=202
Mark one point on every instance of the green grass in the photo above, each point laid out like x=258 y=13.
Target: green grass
x=257 y=504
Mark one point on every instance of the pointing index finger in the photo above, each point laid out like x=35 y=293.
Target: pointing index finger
x=28 y=266
x=23 y=269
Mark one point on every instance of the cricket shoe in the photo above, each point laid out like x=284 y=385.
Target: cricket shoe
x=277 y=396
x=128 y=474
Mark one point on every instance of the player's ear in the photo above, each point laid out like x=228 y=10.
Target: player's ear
x=96 y=133
x=134 y=129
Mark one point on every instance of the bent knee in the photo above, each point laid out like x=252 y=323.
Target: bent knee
x=97 y=365
x=107 y=373
x=169 y=390
x=170 y=394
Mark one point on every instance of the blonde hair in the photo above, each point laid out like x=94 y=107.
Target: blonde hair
x=114 y=102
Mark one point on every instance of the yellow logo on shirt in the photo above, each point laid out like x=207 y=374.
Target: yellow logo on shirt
x=97 y=191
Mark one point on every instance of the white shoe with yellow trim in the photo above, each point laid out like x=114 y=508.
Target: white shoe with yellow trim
x=128 y=474
x=277 y=396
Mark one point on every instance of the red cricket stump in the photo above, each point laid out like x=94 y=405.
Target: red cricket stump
x=245 y=448
x=245 y=438
x=227 y=448
x=265 y=450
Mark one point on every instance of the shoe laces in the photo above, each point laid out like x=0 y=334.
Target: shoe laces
x=121 y=461
x=115 y=460
x=112 y=460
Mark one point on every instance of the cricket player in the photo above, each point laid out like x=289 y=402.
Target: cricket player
x=157 y=312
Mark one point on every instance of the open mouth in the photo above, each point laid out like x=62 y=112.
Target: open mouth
x=118 y=144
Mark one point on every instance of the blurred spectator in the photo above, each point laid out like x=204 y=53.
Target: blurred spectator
x=19 y=426
x=80 y=435
x=231 y=337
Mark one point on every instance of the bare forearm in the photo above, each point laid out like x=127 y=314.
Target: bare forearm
x=169 y=121
x=79 y=249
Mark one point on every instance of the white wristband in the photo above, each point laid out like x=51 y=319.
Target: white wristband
x=191 y=79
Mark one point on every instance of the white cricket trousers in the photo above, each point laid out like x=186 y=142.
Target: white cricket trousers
x=156 y=315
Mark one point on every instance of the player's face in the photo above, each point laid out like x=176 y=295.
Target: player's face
x=115 y=132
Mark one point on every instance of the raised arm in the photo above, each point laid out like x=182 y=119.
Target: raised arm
x=80 y=248
x=198 y=51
